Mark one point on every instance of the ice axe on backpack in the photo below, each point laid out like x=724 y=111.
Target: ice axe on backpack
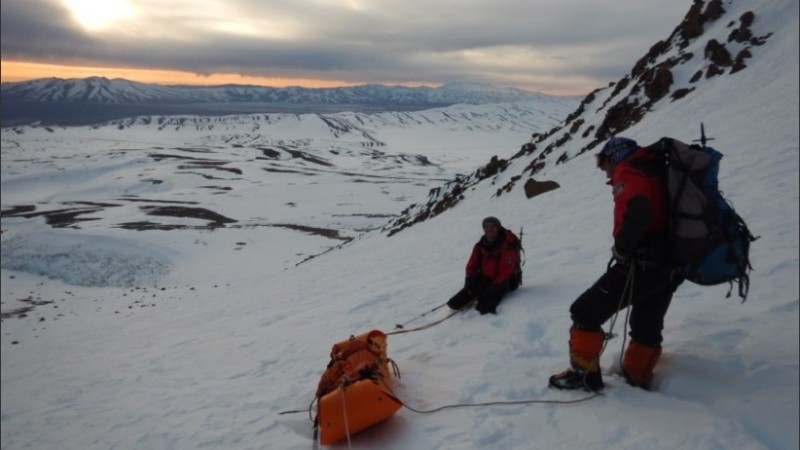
x=703 y=137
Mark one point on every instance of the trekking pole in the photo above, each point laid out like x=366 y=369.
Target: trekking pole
x=401 y=326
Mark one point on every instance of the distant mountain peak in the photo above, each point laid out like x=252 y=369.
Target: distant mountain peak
x=38 y=100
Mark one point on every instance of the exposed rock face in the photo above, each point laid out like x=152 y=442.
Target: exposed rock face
x=534 y=188
x=603 y=114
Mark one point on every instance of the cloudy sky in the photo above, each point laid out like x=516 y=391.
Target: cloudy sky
x=551 y=46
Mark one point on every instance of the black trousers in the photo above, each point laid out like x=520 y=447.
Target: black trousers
x=653 y=288
x=487 y=293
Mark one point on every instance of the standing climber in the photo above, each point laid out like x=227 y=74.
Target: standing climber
x=641 y=276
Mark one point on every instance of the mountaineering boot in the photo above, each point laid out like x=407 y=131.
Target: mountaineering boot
x=572 y=379
x=584 y=356
x=638 y=364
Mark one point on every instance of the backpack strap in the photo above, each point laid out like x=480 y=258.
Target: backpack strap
x=744 y=280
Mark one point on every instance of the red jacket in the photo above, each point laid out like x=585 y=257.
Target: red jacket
x=640 y=202
x=495 y=262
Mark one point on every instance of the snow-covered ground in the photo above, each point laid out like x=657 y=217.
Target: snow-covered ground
x=207 y=333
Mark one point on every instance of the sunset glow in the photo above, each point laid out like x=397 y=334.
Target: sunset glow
x=534 y=45
x=13 y=71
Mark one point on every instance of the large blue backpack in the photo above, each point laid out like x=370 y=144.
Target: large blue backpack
x=710 y=241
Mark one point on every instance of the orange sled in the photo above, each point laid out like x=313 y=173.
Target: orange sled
x=354 y=392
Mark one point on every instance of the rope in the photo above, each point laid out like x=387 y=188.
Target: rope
x=627 y=320
x=478 y=405
x=627 y=291
x=432 y=324
x=426 y=326
x=395 y=368
x=502 y=403
x=295 y=411
x=400 y=326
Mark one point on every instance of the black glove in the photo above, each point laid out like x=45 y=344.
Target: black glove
x=490 y=298
x=487 y=305
x=473 y=284
x=484 y=308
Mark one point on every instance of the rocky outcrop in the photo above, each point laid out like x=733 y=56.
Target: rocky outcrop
x=626 y=102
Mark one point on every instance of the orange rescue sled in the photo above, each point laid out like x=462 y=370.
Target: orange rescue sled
x=354 y=392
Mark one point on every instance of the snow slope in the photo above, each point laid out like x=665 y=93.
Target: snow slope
x=209 y=354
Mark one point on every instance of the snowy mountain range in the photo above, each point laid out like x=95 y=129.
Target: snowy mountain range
x=95 y=99
x=178 y=281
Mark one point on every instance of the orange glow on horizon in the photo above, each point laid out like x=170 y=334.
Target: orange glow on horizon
x=14 y=71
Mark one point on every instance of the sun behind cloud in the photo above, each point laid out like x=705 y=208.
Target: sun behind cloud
x=97 y=15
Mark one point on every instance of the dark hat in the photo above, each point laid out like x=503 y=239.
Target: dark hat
x=492 y=220
x=618 y=148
